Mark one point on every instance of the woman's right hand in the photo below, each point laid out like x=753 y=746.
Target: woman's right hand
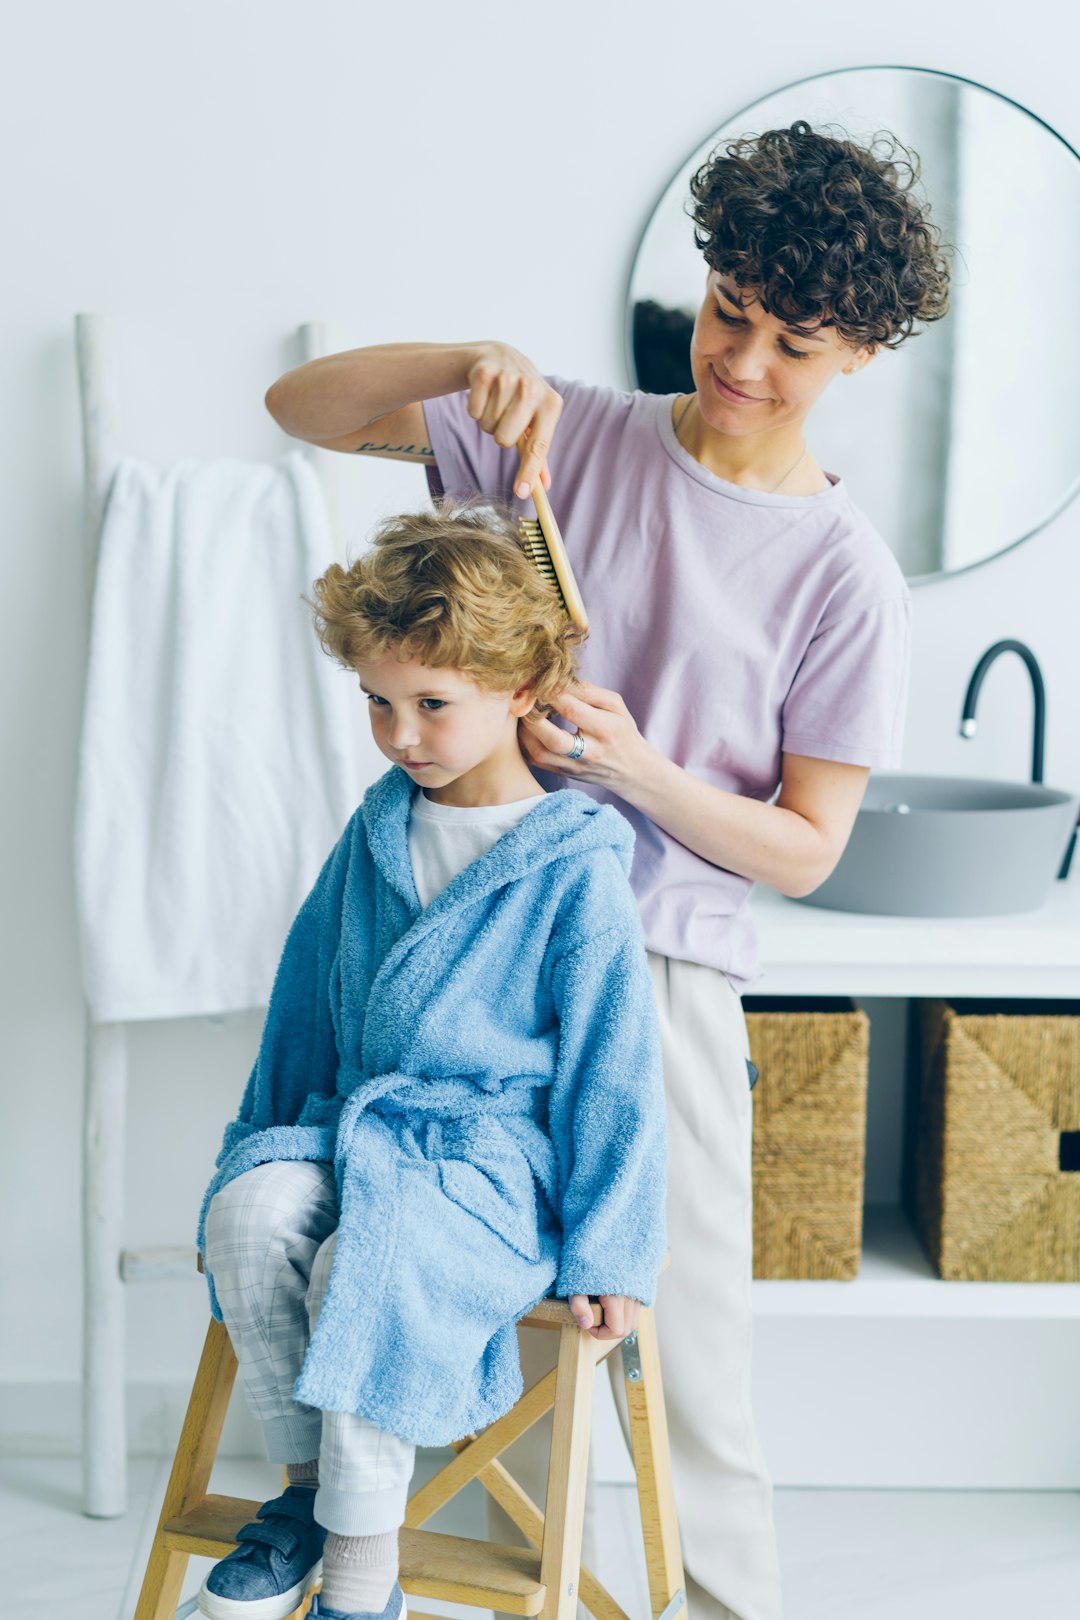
x=511 y=400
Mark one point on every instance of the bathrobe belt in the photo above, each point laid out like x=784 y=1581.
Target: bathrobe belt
x=422 y=1097
x=413 y=1101
x=435 y=1118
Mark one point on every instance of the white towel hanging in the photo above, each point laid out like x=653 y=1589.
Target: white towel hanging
x=217 y=765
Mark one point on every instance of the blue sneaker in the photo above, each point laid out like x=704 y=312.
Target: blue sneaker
x=277 y=1563
x=395 y=1609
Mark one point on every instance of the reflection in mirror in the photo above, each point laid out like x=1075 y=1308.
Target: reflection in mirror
x=966 y=439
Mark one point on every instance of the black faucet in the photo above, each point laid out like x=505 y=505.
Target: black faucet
x=967 y=719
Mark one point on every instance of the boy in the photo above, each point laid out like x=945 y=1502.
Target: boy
x=457 y=1105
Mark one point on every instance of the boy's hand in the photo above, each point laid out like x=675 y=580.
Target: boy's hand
x=620 y=1315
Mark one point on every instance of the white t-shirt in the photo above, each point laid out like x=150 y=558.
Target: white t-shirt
x=445 y=838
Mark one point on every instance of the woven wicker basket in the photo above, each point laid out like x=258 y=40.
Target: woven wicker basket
x=994 y=1186
x=809 y=1135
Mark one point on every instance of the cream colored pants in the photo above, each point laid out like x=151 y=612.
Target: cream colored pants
x=703 y=1311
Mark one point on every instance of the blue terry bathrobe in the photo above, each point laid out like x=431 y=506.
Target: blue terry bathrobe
x=484 y=1074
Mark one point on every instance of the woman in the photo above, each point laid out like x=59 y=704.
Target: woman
x=750 y=636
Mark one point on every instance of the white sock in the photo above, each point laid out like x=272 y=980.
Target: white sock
x=304 y=1474
x=359 y=1572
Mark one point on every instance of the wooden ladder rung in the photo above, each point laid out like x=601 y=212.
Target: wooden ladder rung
x=486 y=1574
x=208 y=1530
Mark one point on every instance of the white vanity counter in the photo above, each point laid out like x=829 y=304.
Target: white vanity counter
x=807 y=951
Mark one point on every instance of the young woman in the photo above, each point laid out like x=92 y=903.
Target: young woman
x=747 y=667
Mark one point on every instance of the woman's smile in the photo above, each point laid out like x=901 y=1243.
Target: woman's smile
x=728 y=392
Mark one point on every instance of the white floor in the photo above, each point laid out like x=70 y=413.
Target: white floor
x=847 y=1555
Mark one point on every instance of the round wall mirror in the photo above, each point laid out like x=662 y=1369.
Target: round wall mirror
x=966 y=439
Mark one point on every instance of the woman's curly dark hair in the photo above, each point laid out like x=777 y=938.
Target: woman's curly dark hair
x=824 y=232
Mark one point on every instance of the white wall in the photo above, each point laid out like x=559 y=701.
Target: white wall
x=217 y=173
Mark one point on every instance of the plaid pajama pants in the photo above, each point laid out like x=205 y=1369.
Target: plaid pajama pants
x=270 y=1238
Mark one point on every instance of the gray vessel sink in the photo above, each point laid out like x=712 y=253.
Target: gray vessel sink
x=950 y=846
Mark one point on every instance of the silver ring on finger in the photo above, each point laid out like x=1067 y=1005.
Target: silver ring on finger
x=577 y=747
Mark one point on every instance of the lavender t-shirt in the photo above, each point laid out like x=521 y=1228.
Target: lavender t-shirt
x=736 y=625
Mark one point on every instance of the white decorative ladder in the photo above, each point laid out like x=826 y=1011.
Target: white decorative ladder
x=107 y=1266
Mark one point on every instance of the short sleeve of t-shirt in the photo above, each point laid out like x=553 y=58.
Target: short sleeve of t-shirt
x=848 y=700
x=467 y=460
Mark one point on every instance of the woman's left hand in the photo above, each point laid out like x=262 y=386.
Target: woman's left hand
x=614 y=747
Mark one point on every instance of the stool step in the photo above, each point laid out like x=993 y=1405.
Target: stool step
x=209 y=1530
x=485 y=1574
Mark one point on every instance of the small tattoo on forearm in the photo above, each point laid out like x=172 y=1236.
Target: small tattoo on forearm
x=370 y=447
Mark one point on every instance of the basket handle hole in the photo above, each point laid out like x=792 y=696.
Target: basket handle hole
x=1069 y=1151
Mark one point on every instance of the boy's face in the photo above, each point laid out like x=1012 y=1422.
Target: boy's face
x=437 y=724
x=754 y=373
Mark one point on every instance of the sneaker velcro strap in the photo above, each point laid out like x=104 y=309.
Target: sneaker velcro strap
x=281 y=1536
x=292 y=1504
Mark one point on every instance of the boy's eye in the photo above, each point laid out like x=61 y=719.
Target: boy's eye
x=795 y=354
x=425 y=703
x=728 y=320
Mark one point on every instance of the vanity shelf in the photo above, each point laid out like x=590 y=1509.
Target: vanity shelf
x=807 y=951
x=896 y=1280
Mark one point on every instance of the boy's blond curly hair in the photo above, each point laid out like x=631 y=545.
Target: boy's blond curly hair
x=453 y=589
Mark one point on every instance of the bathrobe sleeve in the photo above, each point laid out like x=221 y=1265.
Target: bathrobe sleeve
x=298 y=1055
x=607 y=1117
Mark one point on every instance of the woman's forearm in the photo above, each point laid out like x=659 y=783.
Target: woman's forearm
x=763 y=842
x=341 y=393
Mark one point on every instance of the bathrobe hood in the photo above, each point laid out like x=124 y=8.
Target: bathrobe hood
x=484 y=1075
x=569 y=824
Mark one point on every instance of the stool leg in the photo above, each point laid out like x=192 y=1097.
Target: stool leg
x=195 y=1453
x=564 y=1514
x=652 y=1464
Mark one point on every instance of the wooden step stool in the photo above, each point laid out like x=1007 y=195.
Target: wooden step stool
x=547 y=1579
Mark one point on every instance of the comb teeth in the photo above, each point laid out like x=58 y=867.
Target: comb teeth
x=536 y=549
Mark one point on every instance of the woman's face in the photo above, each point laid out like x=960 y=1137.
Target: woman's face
x=752 y=372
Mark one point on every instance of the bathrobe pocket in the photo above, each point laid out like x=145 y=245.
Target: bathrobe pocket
x=484 y=1171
